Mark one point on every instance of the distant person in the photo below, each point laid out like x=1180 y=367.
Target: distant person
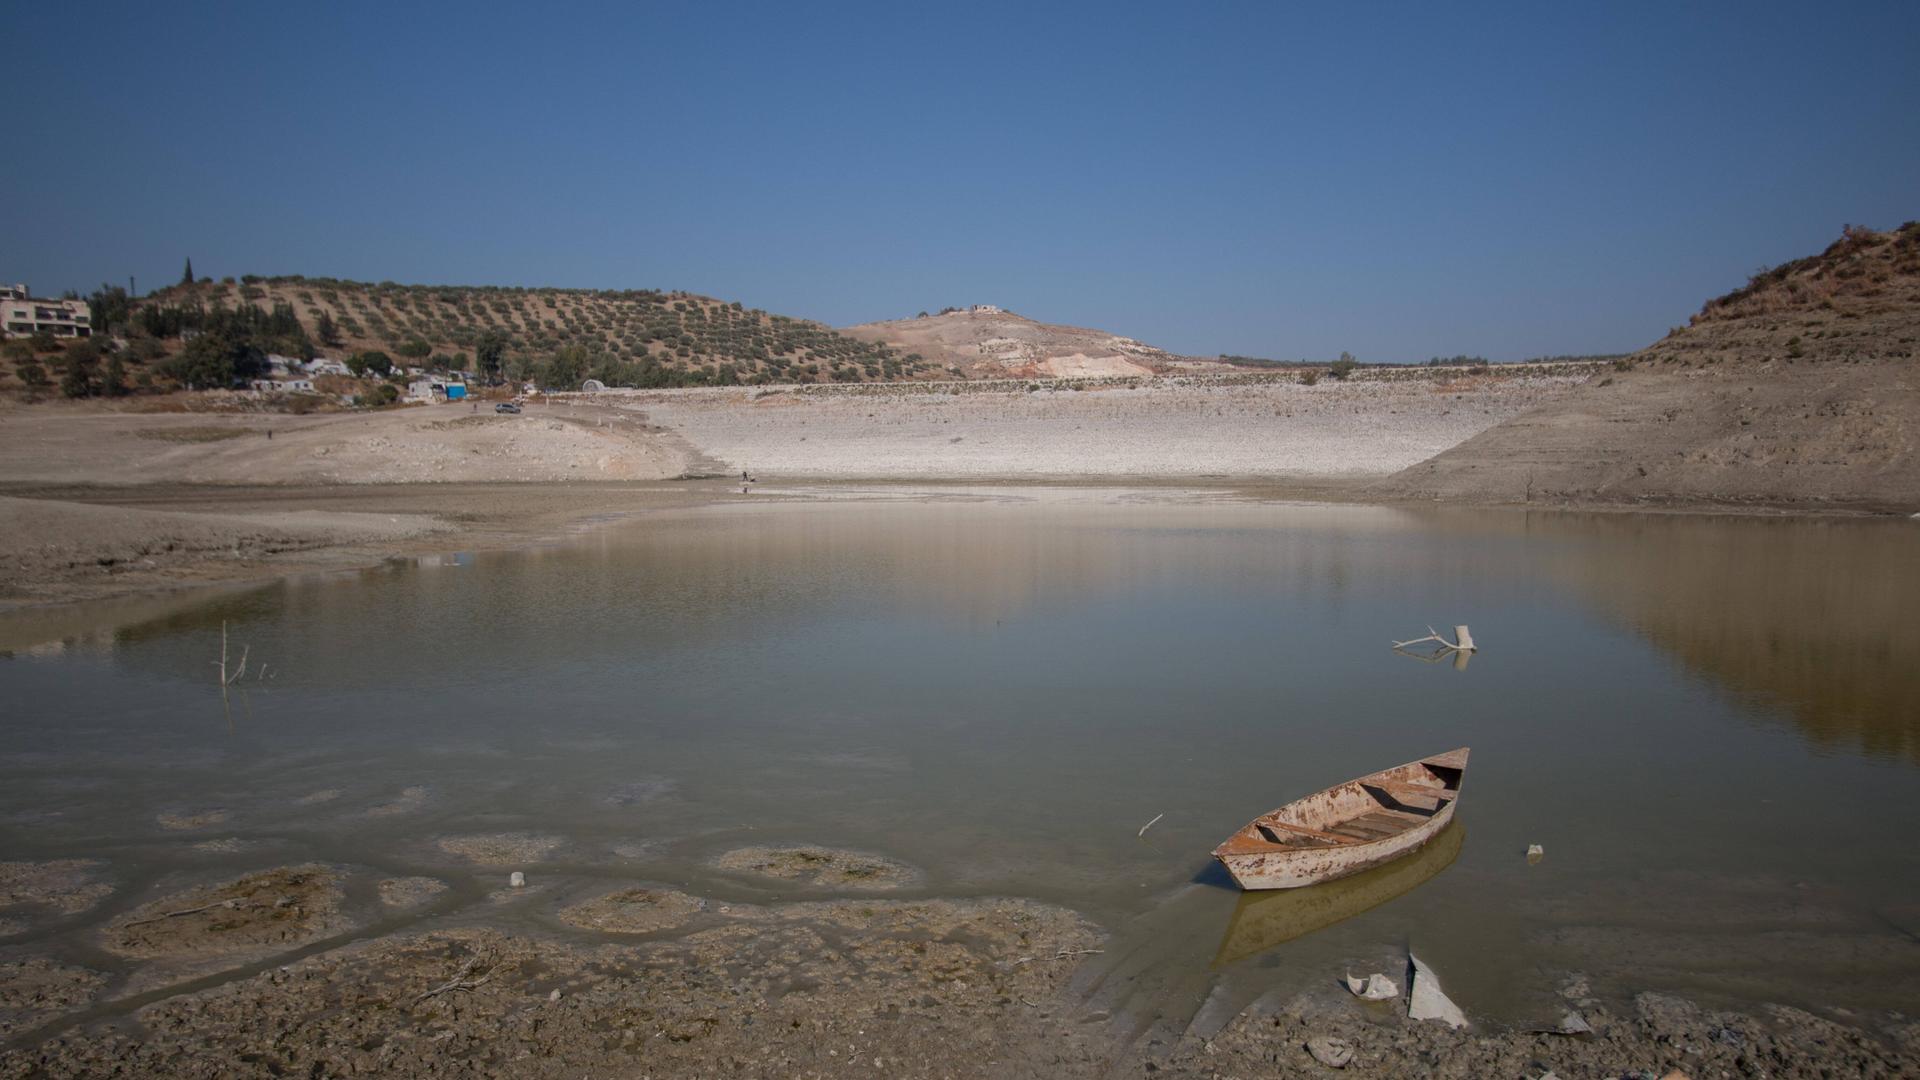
x=269 y=434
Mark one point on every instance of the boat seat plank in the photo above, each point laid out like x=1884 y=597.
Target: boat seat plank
x=1368 y=832
x=1391 y=824
x=1365 y=836
x=1401 y=787
x=1302 y=830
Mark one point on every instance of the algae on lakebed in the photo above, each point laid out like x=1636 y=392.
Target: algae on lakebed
x=821 y=866
x=256 y=913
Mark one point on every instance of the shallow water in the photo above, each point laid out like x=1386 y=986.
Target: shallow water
x=1712 y=726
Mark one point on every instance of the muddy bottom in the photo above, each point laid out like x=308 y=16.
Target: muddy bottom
x=820 y=866
x=867 y=987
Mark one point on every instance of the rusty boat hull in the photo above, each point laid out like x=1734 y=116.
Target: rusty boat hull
x=1347 y=828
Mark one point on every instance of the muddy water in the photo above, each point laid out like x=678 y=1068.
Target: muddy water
x=1712 y=727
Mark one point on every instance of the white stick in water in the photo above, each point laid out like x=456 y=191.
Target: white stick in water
x=1150 y=824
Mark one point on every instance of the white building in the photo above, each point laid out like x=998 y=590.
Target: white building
x=21 y=315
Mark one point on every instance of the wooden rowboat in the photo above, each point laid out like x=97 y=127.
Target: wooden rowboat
x=1348 y=828
x=1271 y=917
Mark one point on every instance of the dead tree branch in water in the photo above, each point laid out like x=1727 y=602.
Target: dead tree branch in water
x=1463 y=640
x=240 y=672
x=1060 y=956
x=463 y=982
x=165 y=915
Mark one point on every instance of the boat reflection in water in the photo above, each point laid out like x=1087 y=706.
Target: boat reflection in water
x=1265 y=919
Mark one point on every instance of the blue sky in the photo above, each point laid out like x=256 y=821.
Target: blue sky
x=1270 y=179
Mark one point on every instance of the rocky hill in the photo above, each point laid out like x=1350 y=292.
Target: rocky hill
x=984 y=342
x=1799 y=389
x=669 y=333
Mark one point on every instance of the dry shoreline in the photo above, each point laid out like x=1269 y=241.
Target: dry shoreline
x=312 y=969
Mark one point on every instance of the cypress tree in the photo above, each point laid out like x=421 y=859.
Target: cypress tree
x=187 y=278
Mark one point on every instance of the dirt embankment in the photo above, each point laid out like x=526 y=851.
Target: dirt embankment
x=100 y=500
x=60 y=444
x=1227 y=426
x=1801 y=390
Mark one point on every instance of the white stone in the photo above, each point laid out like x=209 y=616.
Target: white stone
x=517 y=879
x=1426 y=1001
x=1329 y=1051
x=1375 y=987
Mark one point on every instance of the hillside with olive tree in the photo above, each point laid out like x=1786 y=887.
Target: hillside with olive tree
x=635 y=337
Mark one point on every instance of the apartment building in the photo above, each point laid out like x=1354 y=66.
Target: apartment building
x=22 y=315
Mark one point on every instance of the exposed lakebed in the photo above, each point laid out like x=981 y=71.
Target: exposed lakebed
x=705 y=724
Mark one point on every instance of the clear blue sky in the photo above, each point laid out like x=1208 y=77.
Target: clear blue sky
x=1267 y=178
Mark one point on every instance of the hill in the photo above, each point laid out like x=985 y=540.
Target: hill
x=1798 y=389
x=642 y=337
x=985 y=342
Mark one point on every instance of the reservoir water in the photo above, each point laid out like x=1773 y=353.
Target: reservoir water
x=1711 y=725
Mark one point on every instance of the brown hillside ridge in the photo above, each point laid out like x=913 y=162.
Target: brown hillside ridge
x=1799 y=390
x=984 y=342
x=678 y=331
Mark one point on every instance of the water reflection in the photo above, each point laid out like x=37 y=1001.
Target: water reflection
x=1815 y=616
x=1263 y=920
x=1806 y=619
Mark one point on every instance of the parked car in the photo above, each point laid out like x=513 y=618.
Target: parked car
x=506 y=407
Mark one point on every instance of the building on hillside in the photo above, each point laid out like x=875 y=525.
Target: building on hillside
x=986 y=309
x=432 y=389
x=320 y=365
x=282 y=386
x=22 y=315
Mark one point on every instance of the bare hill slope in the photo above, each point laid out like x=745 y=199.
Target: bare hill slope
x=988 y=343
x=1799 y=389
